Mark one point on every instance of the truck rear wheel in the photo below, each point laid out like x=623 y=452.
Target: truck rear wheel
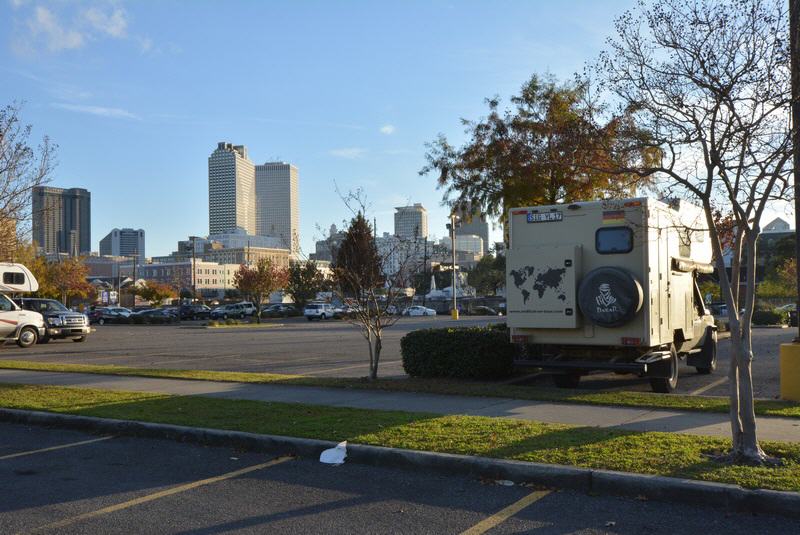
x=567 y=380
x=667 y=385
x=708 y=354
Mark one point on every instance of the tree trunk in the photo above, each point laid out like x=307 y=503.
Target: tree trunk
x=375 y=357
x=372 y=367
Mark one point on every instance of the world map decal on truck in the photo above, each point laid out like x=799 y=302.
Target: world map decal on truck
x=528 y=279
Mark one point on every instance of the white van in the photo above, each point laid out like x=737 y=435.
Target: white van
x=25 y=327
x=611 y=285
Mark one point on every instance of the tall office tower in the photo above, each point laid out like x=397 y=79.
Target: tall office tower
x=231 y=190
x=472 y=222
x=124 y=242
x=62 y=220
x=278 y=203
x=411 y=222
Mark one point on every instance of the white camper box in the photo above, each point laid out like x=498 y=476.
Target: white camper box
x=610 y=285
x=22 y=326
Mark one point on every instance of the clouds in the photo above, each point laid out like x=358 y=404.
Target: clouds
x=44 y=26
x=114 y=24
x=387 y=129
x=348 y=153
x=67 y=26
x=101 y=111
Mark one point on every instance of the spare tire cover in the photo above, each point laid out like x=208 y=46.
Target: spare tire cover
x=610 y=296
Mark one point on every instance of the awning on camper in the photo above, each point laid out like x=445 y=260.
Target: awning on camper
x=687 y=266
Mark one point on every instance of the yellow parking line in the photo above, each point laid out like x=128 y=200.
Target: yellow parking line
x=53 y=448
x=708 y=387
x=501 y=516
x=156 y=495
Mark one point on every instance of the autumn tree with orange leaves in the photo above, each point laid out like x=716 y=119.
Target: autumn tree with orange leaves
x=549 y=147
x=259 y=281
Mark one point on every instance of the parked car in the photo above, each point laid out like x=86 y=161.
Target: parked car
x=483 y=311
x=249 y=308
x=279 y=310
x=156 y=313
x=194 y=312
x=229 y=311
x=787 y=308
x=104 y=315
x=392 y=310
x=320 y=311
x=60 y=322
x=419 y=310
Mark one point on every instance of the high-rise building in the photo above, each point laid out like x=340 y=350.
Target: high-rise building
x=411 y=222
x=473 y=223
x=278 y=203
x=62 y=220
x=124 y=242
x=231 y=190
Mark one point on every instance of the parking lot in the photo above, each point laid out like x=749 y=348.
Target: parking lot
x=59 y=481
x=336 y=349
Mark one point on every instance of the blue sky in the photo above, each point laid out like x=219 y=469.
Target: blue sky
x=137 y=94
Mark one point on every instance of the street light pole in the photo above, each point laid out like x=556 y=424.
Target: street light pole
x=453 y=218
x=794 y=40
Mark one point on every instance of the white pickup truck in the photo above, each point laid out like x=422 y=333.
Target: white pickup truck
x=24 y=327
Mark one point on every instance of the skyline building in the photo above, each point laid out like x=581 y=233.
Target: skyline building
x=278 y=203
x=411 y=222
x=231 y=190
x=125 y=242
x=61 y=220
x=473 y=223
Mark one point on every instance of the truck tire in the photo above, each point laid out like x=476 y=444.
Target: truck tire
x=27 y=337
x=567 y=380
x=610 y=296
x=708 y=354
x=667 y=385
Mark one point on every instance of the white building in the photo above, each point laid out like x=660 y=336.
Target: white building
x=210 y=279
x=466 y=243
x=126 y=242
x=411 y=222
x=278 y=203
x=472 y=222
x=231 y=190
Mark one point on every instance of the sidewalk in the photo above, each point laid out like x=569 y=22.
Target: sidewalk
x=637 y=419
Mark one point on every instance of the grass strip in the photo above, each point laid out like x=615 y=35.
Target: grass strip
x=763 y=407
x=667 y=454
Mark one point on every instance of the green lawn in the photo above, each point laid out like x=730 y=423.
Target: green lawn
x=433 y=386
x=668 y=454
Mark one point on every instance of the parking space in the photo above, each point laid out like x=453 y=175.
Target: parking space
x=124 y=485
x=336 y=349
x=291 y=346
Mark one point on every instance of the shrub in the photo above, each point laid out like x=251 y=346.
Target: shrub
x=212 y=323
x=770 y=317
x=463 y=352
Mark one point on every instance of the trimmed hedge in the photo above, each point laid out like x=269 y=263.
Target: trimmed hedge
x=770 y=317
x=462 y=352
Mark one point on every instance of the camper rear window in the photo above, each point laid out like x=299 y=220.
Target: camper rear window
x=614 y=240
x=13 y=278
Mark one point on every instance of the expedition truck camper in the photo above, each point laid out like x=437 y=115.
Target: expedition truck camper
x=22 y=326
x=610 y=285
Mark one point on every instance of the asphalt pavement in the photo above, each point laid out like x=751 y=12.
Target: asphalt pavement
x=60 y=481
x=336 y=349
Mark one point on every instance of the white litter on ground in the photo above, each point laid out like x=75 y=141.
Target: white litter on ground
x=334 y=455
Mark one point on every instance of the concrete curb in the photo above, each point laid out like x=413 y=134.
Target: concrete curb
x=729 y=497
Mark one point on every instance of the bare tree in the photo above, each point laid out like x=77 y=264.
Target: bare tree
x=21 y=169
x=370 y=281
x=710 y=82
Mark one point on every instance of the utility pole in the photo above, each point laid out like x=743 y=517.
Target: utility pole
x=194 y=262
x=425 y=267
x=794 y=39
